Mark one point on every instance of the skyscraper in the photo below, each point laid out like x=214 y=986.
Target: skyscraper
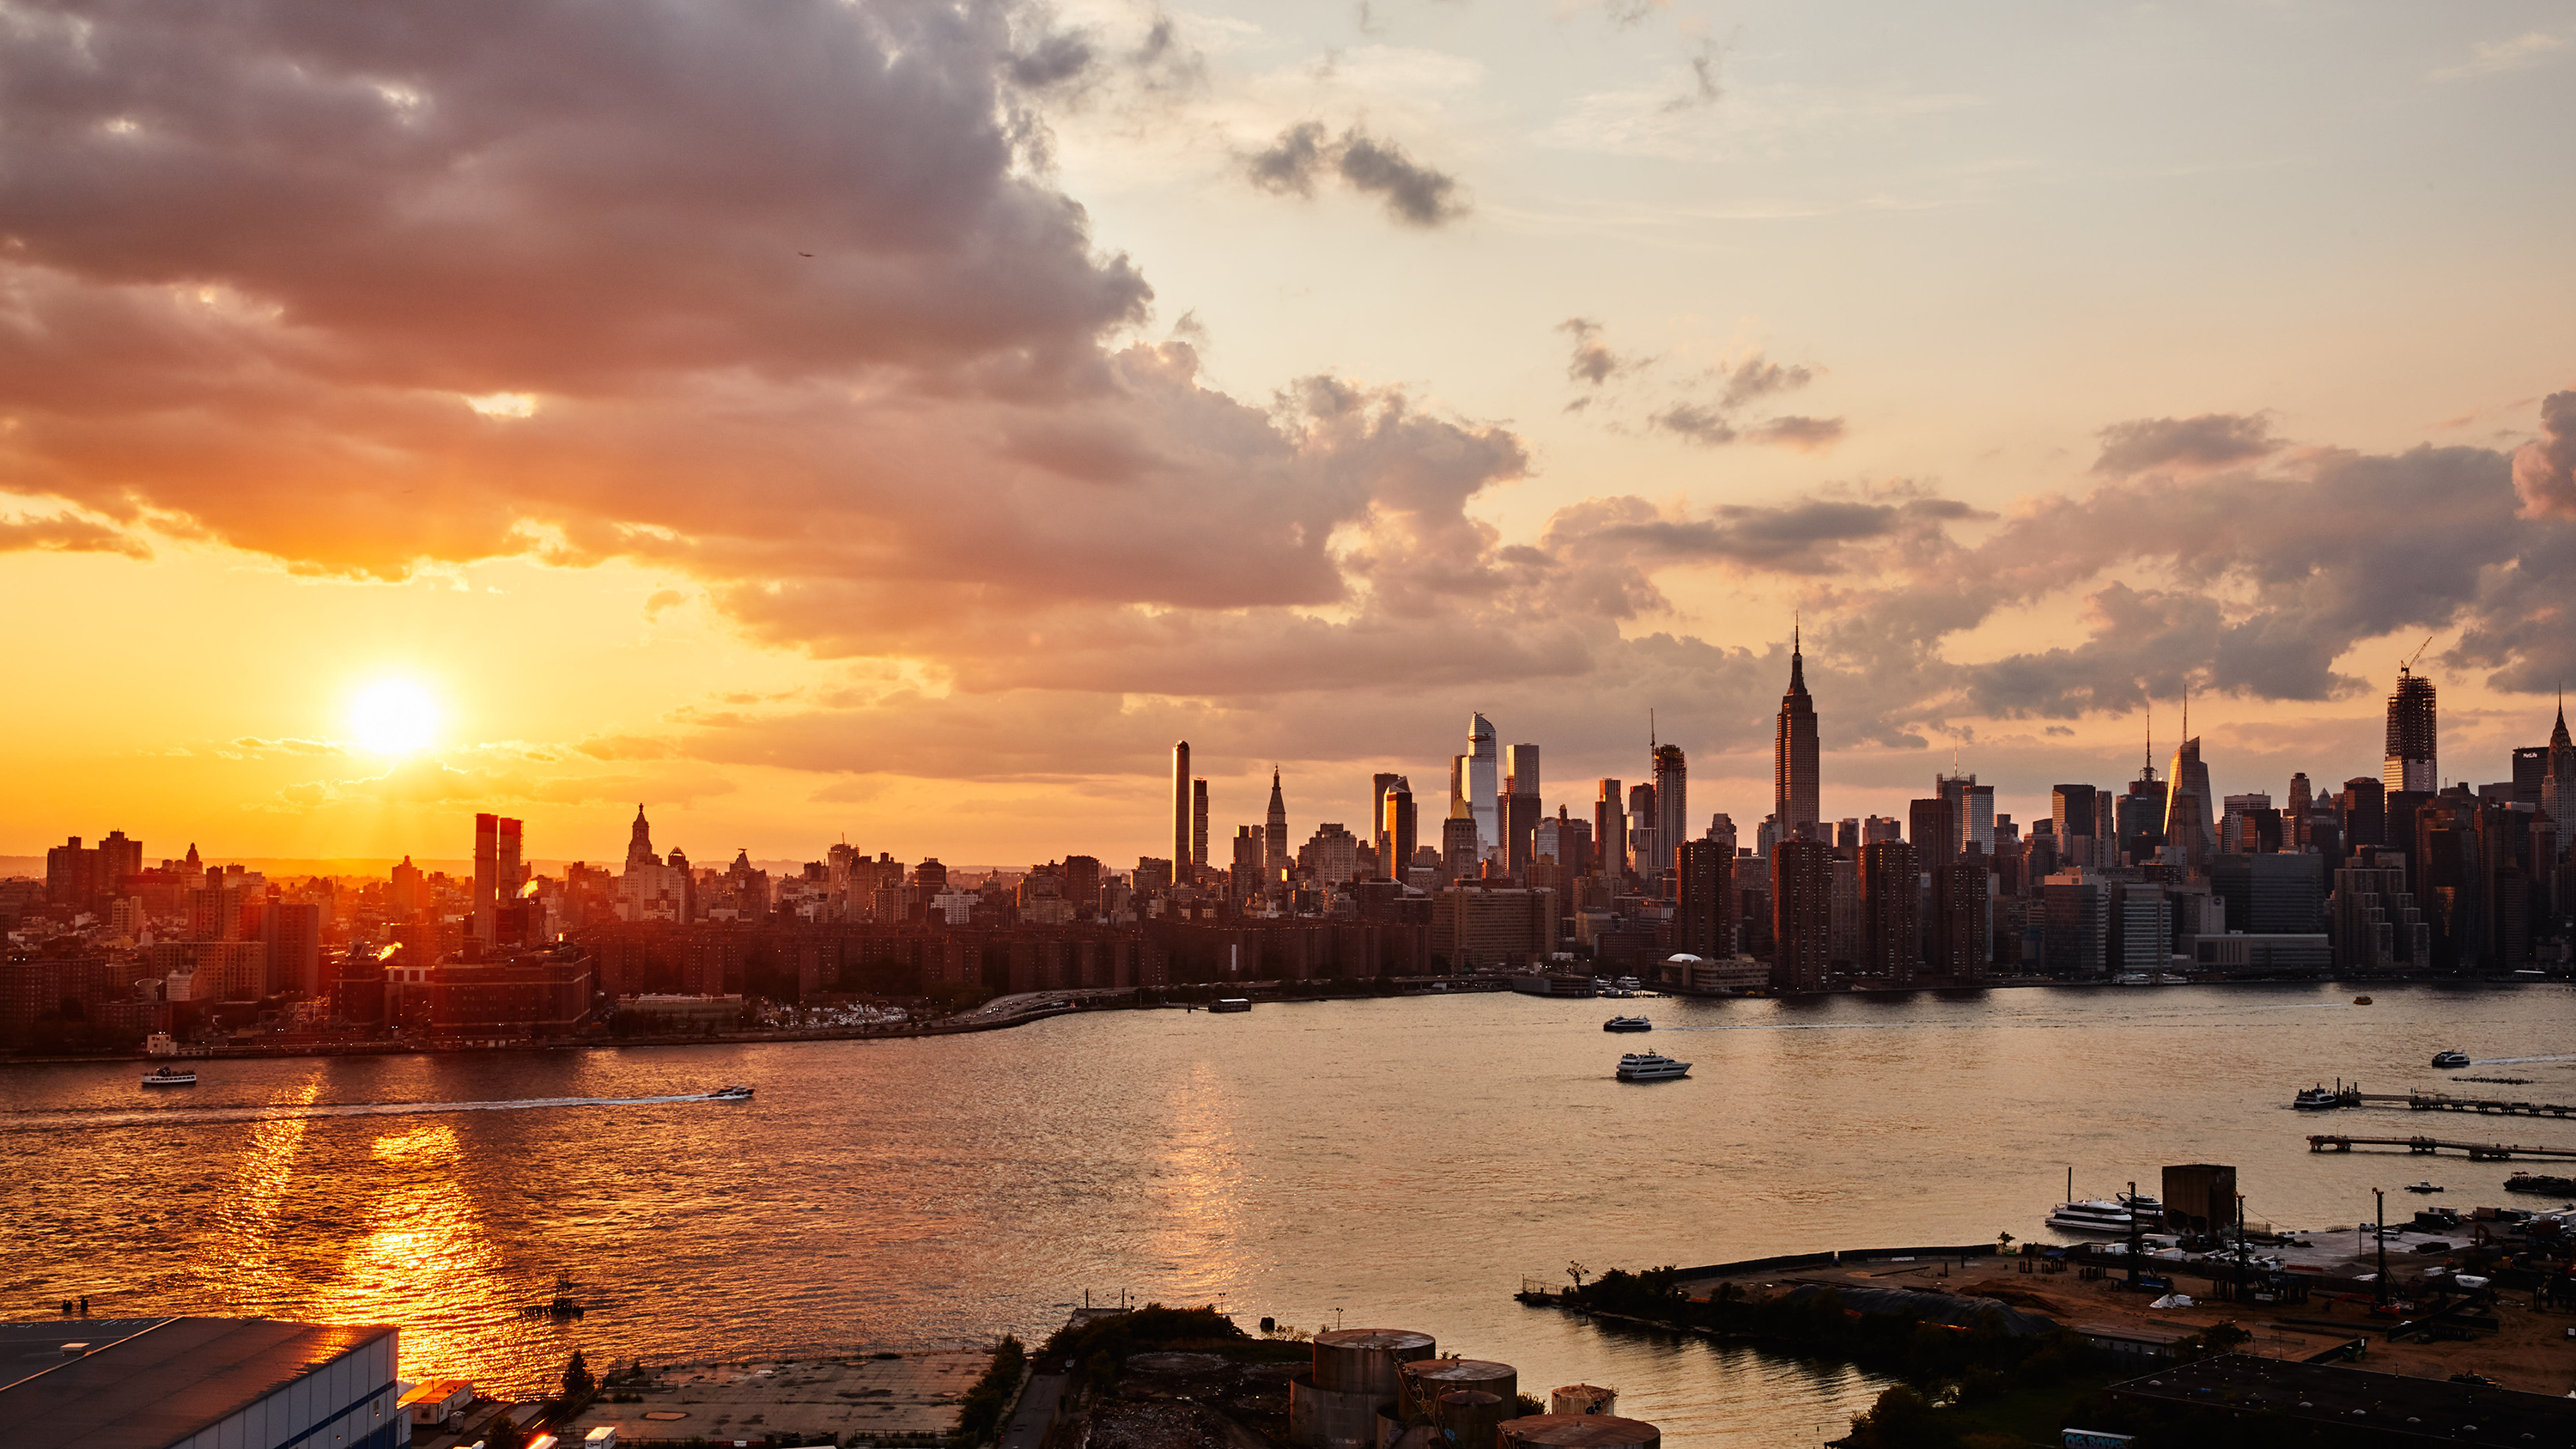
x=1198 y=826
x=2189 y=825
x=2558 y=775
x=1610 y=831
x=1704 y=899
x=1275 y=859
x=496 y=870
x=2411 y=763
x=1802 y=882
x=1891 y=874
x=1672 y=803
x=1794 y=777
x=1518 y=806
x=1397 y=828
x=1644 y=852
x=1932 y=831
x=1972 y=812
x=1481 y=783
x=1181 y=811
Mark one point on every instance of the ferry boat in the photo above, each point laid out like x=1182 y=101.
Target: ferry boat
x=2426 y=1186
x=1627 y=1023
x=169 y=1077
x=2322 y=1098
x=1651 y=1067
x=2451 y=1059
x=2094 y=1215
x=730 y=1094
x=1231 y=1003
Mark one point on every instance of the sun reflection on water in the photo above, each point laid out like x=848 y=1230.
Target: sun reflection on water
x=425 y=1259
x=256 y=1272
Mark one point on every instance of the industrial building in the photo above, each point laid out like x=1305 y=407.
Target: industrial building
x=199 y=1383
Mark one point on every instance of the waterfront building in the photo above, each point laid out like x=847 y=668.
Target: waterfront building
x=2141 y=933
x=1704 y=899
x=2410 y=762
x=1801 y=914
x=2272 y=894
x=1843 y=935
x=1891 y=875
x=1795 y=777
x=2076 y=938
x=203 y=1381
x=1963 y=912
x=1473 y=927
x=2375 y=924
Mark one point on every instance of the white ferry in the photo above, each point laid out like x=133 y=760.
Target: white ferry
x=2451 y=1059
x=1651 y=1067
x=1628 y=1023
x=169 y=1077
x=2096 y=1215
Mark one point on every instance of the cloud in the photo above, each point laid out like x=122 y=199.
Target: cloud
x=1414 y=194
x=2490 y=57
x=67 y=533
x=1806 y=435
x=1593 y=362
x=2544 y=471
x=1717 y=421
x=2208 y=441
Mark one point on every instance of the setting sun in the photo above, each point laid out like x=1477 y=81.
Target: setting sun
x=393 y=717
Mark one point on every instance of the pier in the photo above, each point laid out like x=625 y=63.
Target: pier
x=2477 y=1151
x=2445 y=1102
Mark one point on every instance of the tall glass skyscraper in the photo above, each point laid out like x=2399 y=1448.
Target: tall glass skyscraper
x=1484 y=777
x=2411 y=763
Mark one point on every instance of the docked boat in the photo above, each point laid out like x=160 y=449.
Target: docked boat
x=169 y=1077
x=2541 y=1182
x=1627 y=1023
x=730 y=1094
x=2451 y=1059
x=1651 y=1067
x=2116 y=1218
x=2421 y=1187
x=1231 y=1003
x=2320 y=1098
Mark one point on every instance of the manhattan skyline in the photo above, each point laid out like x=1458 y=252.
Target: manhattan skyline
x=1288 y=382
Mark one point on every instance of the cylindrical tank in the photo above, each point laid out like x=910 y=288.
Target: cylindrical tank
x=1368 y=1360
x=1577 y=1431
x=1582 y=1399
x=1325 y=1419
x=1425 y=1380
x=1468 y=1418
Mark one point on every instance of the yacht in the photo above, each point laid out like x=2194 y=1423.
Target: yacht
x=2451 y=1059
x=2319 y=1098
x=1631 y=985
x=1650 y=1067
x=2111 y=1217
x=730 y=1094
x=2425 y=1186
x=169 y=1077
x=1627 y=1023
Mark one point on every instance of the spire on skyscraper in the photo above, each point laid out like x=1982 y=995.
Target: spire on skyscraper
x=1795 y=769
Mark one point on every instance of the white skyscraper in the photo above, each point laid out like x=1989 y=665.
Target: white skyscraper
x=1484 y=776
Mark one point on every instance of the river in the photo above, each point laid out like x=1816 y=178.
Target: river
x=1398 y=1163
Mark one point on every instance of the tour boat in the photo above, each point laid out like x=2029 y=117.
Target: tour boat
x=2318 y=1098
x=1231 y=1003
x=1627 y=1023
x=2451 y=1059
x=730 y=1094
x=169 y=1077
x=1650 y=1067
x=2421 y=1187
x=2098 y=1216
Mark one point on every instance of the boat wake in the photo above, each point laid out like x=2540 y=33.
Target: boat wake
x=75 y=1120
x=2508 y=1061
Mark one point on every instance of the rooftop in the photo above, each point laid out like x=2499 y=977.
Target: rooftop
x=2359 y=1401
x=148 y=1382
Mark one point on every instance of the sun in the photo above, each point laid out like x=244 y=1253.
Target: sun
x=393 y=717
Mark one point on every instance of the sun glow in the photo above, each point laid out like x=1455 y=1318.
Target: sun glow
x=393 y=717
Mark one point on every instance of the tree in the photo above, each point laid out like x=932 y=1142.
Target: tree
x=1576 y=1271
x=578 y=1384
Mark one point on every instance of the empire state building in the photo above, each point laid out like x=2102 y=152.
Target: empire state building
x=1793 y=755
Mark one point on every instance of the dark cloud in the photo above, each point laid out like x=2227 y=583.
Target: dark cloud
x=1414 y=194
x=2211 y=440
x=1593 y=363
x=1758 y=377
x=2544 y=471
x=1719 y=421
x=1697 y=422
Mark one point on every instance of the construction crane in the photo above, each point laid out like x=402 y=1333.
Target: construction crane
x=2408 y=666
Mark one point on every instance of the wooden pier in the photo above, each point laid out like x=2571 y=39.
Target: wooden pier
x=2477 y=1151
x=2445 y=1102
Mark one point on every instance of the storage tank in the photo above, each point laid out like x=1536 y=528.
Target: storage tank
x=1582 y=1399
x=1468 y=1418
x=1425 y=1380
x=1368 y=1360
x=1577 y=1431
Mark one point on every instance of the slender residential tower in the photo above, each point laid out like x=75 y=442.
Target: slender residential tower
x=2411 y=763
x=1672 y=804
x=1483 y=778
x=1793 y=753
x=1181 y=812
x=2188 y=825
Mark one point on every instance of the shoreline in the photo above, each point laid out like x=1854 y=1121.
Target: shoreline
x=1093 y=999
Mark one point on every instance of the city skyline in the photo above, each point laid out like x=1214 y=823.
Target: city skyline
x=1147 y=422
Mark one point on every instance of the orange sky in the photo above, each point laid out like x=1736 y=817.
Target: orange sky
x=901 y=421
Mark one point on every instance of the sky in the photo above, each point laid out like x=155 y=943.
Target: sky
x=901 y=422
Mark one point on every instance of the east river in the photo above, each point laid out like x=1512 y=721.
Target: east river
x=1400 y=1163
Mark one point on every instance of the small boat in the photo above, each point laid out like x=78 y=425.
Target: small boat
x=2318 y=1098
x=169 y=1077
x=2421 y=1187
x=2361 y=1001
x=730 y=1094
x=1651 y=1067
x=1231 y=1003
x=1627 y=1023
x=2451 y=1059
